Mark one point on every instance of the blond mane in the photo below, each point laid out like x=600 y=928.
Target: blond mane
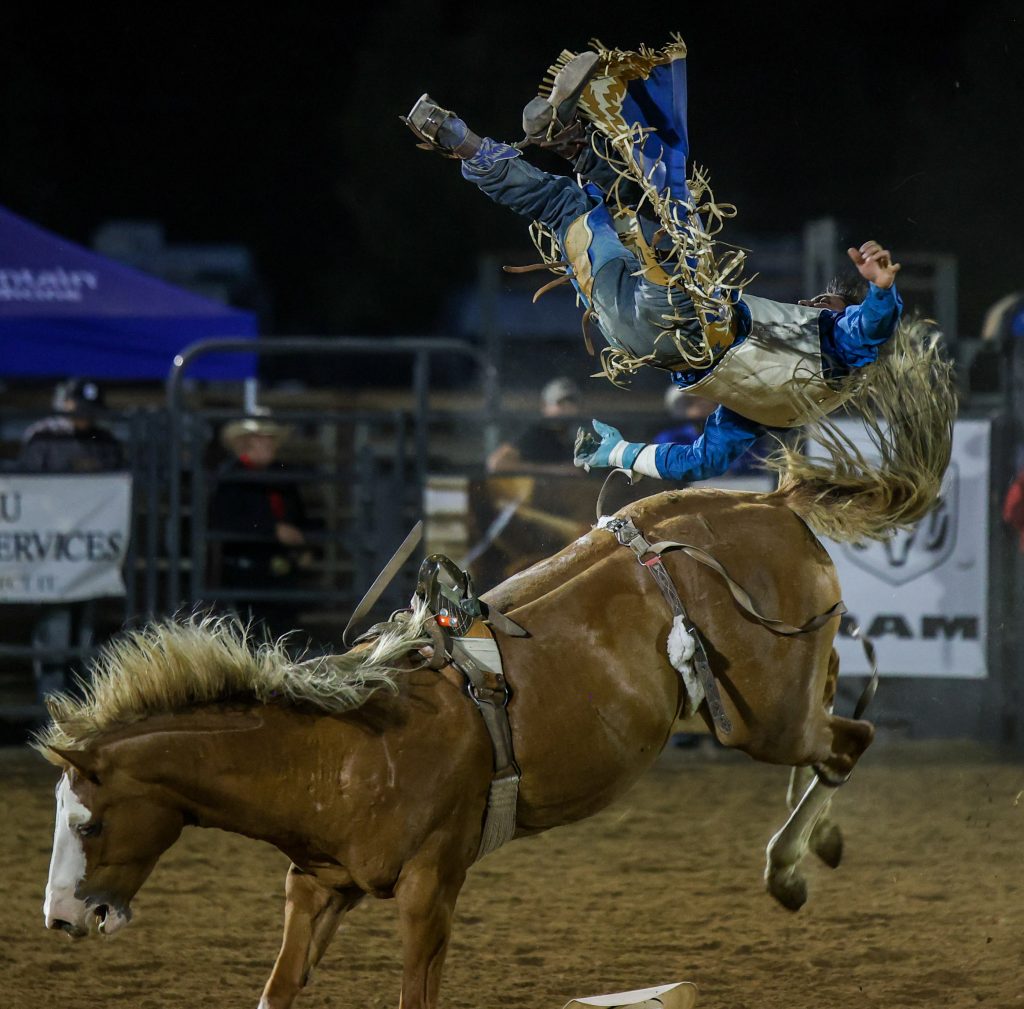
x=176 y=664
x=907 y=402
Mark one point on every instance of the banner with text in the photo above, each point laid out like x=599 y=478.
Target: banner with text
x=923 y=595
x=63 y=538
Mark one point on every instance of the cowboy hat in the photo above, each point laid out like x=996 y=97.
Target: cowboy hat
x=234 y=430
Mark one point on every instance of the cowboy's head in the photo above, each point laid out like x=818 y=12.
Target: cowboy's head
x=842 y=291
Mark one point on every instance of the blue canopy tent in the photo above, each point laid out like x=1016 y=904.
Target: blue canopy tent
x=67 y=311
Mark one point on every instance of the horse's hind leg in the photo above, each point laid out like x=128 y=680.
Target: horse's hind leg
x=785 y=850
x=826 y=840
x=311 y=917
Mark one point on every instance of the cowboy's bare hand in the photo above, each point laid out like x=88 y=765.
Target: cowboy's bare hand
x=874 y=264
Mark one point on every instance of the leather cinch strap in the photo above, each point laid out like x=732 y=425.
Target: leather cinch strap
x=629 y=536
x=741 y=595
x=489 y=692
x=650 y=556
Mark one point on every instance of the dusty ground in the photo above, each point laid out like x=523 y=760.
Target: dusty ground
x=928 y=908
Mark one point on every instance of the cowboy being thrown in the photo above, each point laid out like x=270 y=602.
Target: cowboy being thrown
x=635 y=238
x=853 y=329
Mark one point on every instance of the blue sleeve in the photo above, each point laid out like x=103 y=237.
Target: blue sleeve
x=726 y=437
x=853 y=338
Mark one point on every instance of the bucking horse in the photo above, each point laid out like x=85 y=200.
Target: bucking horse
x=373 y=770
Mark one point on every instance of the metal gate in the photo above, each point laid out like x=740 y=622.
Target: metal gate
x=365 y=471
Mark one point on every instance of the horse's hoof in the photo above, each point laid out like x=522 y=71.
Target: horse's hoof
x=828 y=845
x=787 y=886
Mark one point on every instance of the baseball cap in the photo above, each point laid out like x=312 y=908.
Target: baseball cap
x=78 y=394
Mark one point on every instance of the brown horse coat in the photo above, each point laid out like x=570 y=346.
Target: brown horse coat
x=389 y=798
x=773 y=686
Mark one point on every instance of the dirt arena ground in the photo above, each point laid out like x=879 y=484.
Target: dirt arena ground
x=927 y=909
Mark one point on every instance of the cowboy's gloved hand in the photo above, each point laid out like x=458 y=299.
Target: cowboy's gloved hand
x=606 y=448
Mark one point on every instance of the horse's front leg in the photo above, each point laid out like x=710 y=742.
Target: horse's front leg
x=311 y=916
x=426 y=895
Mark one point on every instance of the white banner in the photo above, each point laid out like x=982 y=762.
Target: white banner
x=923 y=596
x=63 y=538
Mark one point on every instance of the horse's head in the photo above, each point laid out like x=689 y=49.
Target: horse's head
x=110 y=830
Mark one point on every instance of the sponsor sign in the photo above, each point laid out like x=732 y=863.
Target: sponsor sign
x=58 y=284
x=63 y=538
x=923 y=595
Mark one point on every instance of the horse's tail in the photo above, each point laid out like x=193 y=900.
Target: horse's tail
x=907 y=401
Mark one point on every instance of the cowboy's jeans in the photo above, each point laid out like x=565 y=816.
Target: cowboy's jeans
x=630 y=310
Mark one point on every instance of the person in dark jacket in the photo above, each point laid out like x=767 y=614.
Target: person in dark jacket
x=71 y=441
x=543 y=447
x=259 y=514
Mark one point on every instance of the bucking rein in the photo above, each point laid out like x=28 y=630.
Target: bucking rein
x=462 y=636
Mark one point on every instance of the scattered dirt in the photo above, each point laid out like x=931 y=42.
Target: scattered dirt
x=927 y=908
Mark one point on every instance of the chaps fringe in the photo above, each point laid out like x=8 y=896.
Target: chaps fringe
x=703 y=275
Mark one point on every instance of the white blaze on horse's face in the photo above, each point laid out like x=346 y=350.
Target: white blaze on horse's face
x=62 y=908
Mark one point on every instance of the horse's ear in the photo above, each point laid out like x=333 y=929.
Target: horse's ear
x=80 y=760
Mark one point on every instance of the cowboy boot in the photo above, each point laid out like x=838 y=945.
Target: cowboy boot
x=551 y=121
x=443 y=131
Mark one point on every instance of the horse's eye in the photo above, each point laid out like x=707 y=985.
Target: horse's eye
x=89 y=829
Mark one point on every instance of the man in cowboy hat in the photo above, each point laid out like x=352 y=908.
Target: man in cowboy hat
x=259 y=515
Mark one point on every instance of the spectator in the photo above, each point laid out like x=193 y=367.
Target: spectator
x=545 y=447
x=261 y=514
x=69 y=442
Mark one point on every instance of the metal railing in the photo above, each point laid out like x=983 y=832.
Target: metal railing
x=360 y=480
x=420 y=350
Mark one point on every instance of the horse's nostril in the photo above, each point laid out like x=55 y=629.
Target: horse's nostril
x=75 y=931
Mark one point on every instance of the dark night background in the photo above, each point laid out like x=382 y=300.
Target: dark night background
x=279 y=130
